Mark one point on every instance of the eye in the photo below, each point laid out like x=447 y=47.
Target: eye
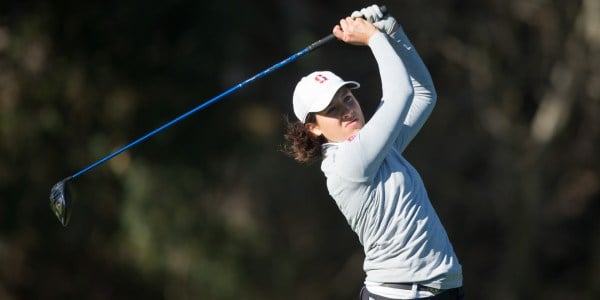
x=348 y=99
x=330 y=110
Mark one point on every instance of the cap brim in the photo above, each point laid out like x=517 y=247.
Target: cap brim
x=323 y=102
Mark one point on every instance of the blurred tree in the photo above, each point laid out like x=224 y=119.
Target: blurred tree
x=211 y=210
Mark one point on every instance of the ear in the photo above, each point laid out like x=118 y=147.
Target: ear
x=313 y=128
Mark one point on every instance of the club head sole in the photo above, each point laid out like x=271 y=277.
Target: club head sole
x=60 y=202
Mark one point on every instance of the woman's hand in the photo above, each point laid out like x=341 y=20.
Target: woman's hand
x=356 y=31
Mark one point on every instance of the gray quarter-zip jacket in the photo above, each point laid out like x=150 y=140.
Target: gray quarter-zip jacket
x=379 y=192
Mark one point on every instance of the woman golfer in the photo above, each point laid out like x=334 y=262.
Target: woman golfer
x=407 y=252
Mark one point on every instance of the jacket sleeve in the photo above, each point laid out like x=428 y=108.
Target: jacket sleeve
x=360 y=158
x=425 y=95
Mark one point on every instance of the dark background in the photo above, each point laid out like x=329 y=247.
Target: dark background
x=211 y=209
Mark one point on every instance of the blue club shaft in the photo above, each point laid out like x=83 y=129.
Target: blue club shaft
x=263 y=73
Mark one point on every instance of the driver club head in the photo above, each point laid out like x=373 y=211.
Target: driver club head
x=60 y=201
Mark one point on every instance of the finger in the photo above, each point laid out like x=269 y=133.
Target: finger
x=343 y=25
x=337 y=32
x=356 y=14
x=359 y=20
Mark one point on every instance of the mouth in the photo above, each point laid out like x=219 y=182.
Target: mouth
x=351 y=122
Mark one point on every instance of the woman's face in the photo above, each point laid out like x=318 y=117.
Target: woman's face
x=342 y=119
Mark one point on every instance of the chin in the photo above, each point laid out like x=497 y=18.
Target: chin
x=356 y=126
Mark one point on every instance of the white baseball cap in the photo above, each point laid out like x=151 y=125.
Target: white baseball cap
x=315 y=91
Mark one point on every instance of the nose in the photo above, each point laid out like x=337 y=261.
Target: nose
x=347 y=111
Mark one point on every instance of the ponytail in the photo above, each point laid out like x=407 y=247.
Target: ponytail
x=301 y=144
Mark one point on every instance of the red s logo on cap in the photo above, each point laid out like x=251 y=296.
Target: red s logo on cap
x=320 y=78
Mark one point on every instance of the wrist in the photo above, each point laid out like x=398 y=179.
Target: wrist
x=374 y=37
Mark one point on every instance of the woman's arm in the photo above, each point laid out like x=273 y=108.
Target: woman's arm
x=360 y=158
x=425 y=95
x=424 y=91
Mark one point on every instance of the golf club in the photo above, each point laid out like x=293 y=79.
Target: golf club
x=60 y=195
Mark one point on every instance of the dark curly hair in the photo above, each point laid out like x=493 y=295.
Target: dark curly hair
x=301 y=144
